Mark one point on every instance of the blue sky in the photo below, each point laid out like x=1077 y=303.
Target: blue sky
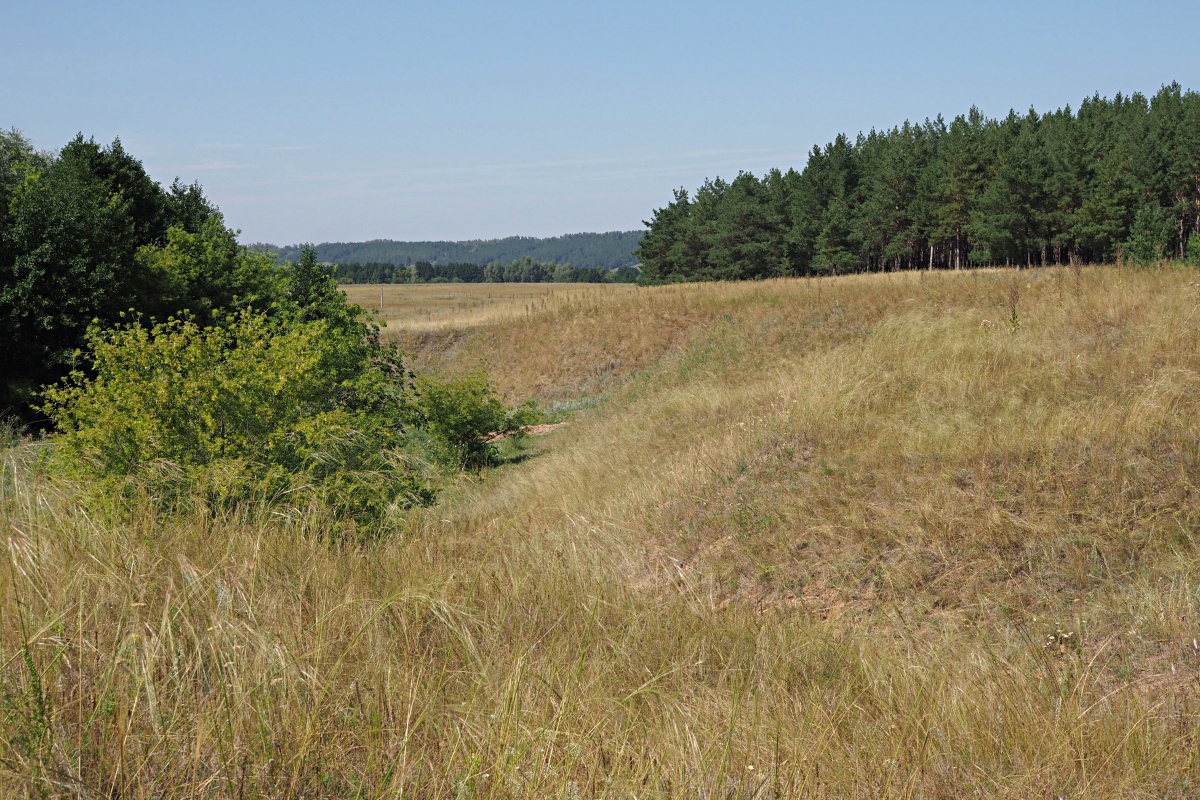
x=457 y=120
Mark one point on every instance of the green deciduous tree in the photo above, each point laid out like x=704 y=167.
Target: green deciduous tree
x=69 y=243
x=207 y=271
x=86 y=236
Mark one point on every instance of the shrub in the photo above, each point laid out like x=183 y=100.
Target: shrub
x=298 y=402
x=464 y=417
x=254 y=406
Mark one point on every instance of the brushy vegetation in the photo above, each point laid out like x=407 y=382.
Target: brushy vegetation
x=256 y=408
x=299 y=406
x=861 y=536
x=86 y=236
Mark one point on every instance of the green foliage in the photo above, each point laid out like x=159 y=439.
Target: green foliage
x=211 y=372
x=18 y=159
x=1148 y=236
x=464 y=418
x=1062 y=187
x=522 y=270
x=255 y=406
x=627 y=274
x=1193 y=250
x=298 y=403
x=207 y=271
x=663 y=249
x=311 y=287
x=87 y=235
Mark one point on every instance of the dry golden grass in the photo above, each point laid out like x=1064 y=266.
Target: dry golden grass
x=574 y=345
x=457 y=306
x=917 y=535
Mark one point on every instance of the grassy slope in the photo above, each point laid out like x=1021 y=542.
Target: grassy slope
x=860 y=536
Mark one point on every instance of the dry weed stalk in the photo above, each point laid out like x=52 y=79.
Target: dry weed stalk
x=1014 y=305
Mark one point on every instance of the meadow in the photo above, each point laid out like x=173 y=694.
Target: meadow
x=900 y=535
x=456 y=306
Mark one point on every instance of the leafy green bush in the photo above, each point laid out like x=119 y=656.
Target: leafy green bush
x=465 y=418
x=256 y=406
x=296 y=403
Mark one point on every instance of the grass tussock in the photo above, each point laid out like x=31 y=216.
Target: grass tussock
x=894 y=536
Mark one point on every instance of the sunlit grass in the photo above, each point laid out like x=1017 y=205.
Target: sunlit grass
x=457 y=306
x=829 y=538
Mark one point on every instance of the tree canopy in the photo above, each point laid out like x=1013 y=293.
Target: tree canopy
x=86 y=236
x=1118 y=177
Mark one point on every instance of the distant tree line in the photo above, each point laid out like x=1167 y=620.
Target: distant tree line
x=1119 y=178
x=607 y=250
x=520 y=270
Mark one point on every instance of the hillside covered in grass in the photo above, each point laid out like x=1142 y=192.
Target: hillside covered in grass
x=907 y=535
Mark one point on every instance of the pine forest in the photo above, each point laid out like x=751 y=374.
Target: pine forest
x=1118 y=179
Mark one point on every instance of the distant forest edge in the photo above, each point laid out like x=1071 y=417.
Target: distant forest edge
x=606 y=250
x=520 y=270
x=1117 y=180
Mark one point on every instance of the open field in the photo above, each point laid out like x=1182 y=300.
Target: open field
x=905 y=535
x=450 y=306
